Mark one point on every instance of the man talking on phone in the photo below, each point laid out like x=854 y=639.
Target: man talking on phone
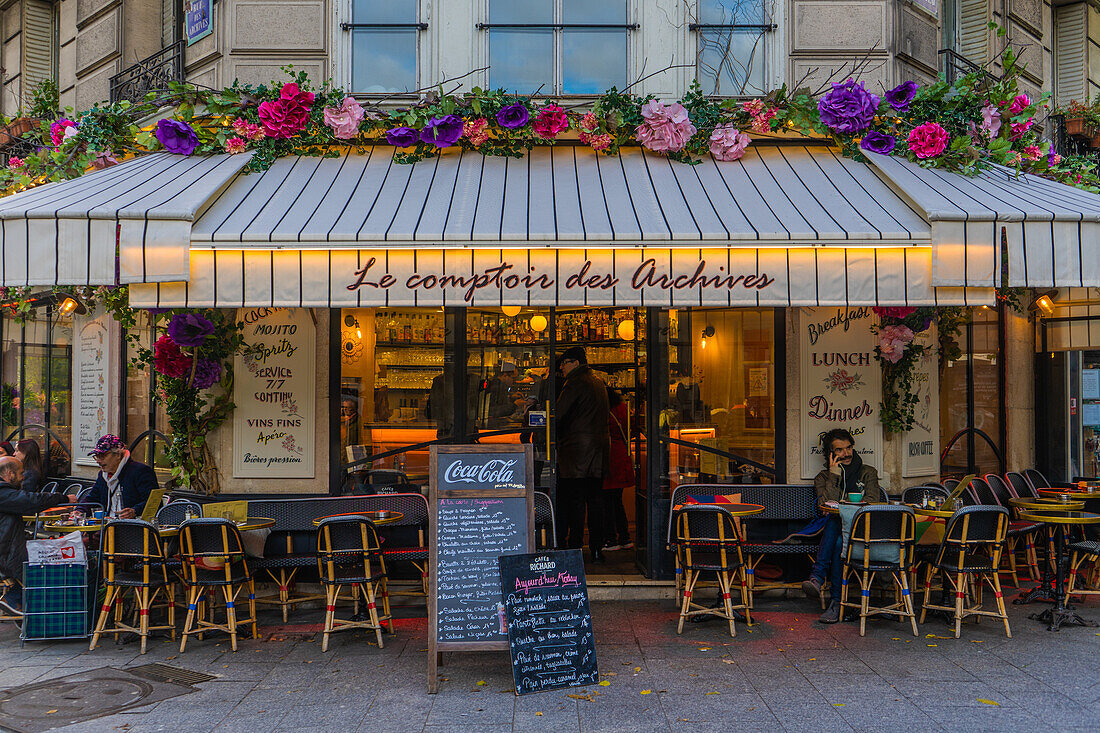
x=844 y=474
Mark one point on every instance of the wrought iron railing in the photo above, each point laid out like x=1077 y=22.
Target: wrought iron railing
x=953 y=65
x=151 y=74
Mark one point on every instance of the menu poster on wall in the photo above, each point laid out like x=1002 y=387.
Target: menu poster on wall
x=841 y=383
x=920 y=447
x=273 y=423
x=92 y=377
x=1090 y=384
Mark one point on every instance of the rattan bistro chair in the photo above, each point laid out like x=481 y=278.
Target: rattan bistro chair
x=968 y=558
x=1085 y=561
x=350 y=554
x=707 y=541
x=881 y=541
x=133 y=560
x=213 y=557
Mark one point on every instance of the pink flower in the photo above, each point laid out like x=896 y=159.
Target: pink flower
x=1054 y=159
x=476 y=131
x=665 y=129
x=1019 y=104
x=1020 y=128
x=991 y=120
x=761 y=122
x=900 y=311
x=928 y=140
x=288 y=115
x=240 y=126
x=344 y=120
x=753 y=106
x=551 y=122
x=59 y=131
x=15 y=163
x=1032 y=152
x=254 y=132
x=234 y=145
x=589 y=123
x=892 y=342
x=728 y=143
x=1016 y=159
x=599 y=142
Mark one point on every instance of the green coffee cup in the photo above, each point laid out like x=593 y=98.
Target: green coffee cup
x=855 y=497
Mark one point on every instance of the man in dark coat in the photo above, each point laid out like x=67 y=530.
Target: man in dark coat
x=123 y=485
x=14 y=504
x=584 y=452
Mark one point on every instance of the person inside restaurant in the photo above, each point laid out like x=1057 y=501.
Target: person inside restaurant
x=844 y=475
x=506 y=399
x=124 y=484
x=30 y=455
x=14 y=505
x=584 y=452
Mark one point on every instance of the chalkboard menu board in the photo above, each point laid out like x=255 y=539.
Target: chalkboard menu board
x=549 y=623
x=481 y=504
x=473 y=533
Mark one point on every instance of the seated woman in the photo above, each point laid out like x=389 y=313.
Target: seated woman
x=34 y=472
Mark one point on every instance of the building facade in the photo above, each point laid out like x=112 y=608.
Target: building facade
x=717 y=393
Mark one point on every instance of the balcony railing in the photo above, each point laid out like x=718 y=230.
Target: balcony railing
x=953 y=65
x=149 y=75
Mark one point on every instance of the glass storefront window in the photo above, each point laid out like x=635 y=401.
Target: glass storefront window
x=147 y=430
x=394 y=390
x=36 y=385
x=718 y=413
x=970 y=395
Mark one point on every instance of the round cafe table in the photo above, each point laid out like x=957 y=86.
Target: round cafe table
x=930 y=511
x=1074 y=493
x=1047 y=503
x=1062 y=612
x=165 y=530
x=390 y=517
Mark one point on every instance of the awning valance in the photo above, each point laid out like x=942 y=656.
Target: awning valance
x=785 y=225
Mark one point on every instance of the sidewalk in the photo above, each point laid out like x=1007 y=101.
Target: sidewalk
x=785 y=673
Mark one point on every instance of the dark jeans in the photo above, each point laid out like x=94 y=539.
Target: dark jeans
x=574 y=496
x=828 y=564
x=615 y=525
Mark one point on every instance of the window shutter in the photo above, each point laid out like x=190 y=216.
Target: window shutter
x=1071 y=45
x=38 y=45
x=974 y=30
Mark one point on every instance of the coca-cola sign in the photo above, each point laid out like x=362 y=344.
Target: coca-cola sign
x=482 y=472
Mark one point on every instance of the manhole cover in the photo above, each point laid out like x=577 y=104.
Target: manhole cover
x=83 y=696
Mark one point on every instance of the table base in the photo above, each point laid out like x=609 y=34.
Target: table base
x=1056 y=617
x=1042 y=592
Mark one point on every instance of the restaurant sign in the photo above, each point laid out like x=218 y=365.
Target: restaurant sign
x=93 y=376
x=841 y=383
x=273 y=423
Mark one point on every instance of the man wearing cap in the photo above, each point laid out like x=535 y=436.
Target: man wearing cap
x=14 y=504
x=123 y=485
x=584 y=452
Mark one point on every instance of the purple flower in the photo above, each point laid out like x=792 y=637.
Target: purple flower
x=878 y=142
x=188 y=329
x=207 y=374
x=177 y=137
x=402 y=137
x=900 y=96
x=848 y=107
x=513 y=116
x=442 y=131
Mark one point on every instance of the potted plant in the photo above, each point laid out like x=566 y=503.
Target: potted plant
x=45 y=100
x=1082 y=120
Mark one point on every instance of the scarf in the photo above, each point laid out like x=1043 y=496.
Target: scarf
x=850 y=476
x=114 y=494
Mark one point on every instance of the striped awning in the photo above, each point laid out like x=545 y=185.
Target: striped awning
x=786 y=225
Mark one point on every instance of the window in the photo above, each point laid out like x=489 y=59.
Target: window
x=971 y=396
x=733 y=34
x=385 y=37
x=559 y=47
x=145 y=428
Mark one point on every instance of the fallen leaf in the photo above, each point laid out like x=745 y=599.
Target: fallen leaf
x=713 y=692
x=610 y=674
x=704 y=648
x=646 y=692
x=933 y=645
x=480 y=683
x=838 y=704
x=637 y=669
x=977 y=641
x=813 y=659
x=50 y=712
x=539 y=714
x=729 y=661
x=605 y=683
x=582 y=697
x=989 y=702
x=894 y=638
